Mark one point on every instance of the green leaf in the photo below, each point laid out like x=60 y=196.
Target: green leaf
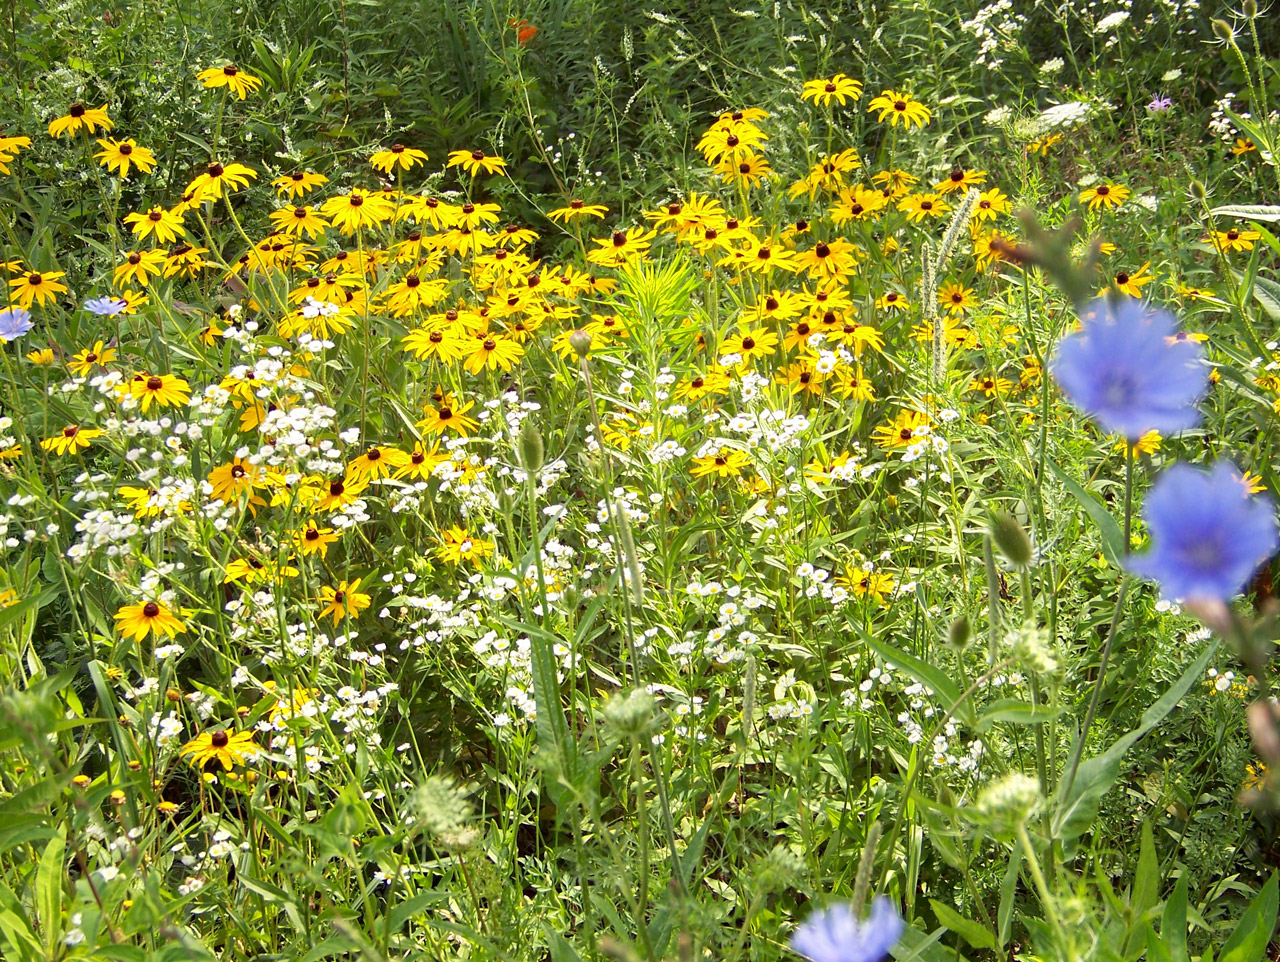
x=1009 y=892
x=1157 y=951
x=49 y=876
x=1074 y=814
x=407 y=909
x=1267 y=293
x=921 y=671
x=1016 y=712
x=1108 y=527
x=1145 y=891
x=1248 y=943
x=559 y=947
x=975 y=933
x=1173 y=922
x=1263 y=212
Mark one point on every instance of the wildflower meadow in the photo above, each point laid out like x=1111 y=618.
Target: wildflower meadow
x=664 y=481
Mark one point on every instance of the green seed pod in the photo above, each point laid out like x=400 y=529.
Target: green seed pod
x=958 y=633
x=1010 y=539
x=1250 y=8
x=580 y=341
x=532 y=452
x=1223 y=31
x=1198 y=191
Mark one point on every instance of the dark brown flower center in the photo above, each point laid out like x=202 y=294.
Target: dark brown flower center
x=900 y=105
x=125 y=149
x=1103 y=191
x=219 y=739
x=771 y=304
x=397 y=148
x=619 y=238
x=77 y=110
x=34 y=279
x=135 y=258
x=150 y=609
x=830 y=87
x=70 y=431
x=1233 y=234
x=215 y=169
x=336 y=488
x=356 y=200
x=576 y=204
x=373 y=454
x=490 y=344
x=926 y=205
x=822 y=250
x=445 y=414
x=803 y=329
x=744 y=168
x=477 y=155
x=748 y=343
x=312 y=534
x=154 y=383
x=156 y=216
x=413 y=280
x=237 y=471
x=91 y=357
x=957 y=176
x=229 y=70
x=1122 y=278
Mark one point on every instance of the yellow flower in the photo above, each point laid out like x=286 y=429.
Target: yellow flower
x=235 y=478
x=449 y=416
x=476 y=161
x=961 y=180
x=458 y=545
x=746 y=172
x=226 y=748
x=1131 y=284
x=919 y=206
x=164 y=389
x=621 y=246
x=1106 y=195
x=1243 y=145
x=166 y=225
x=344 y=601
x=8 y=598
x=990 y=385
x=79 y=116
x=377 y=462
x=398 y=156
x=70 y=439
x=9 y=147
x=314 y=540
x=357 y=210
x=1149 y=443
x=750 y=344
x=298 y=183
x=956 y=298
x=297 y=221
x=422 y=462
x=147 y=618
x=254 y=572
x=828 y=259
x=139 y=266
x=724 y=463
x=853 y=386
x=902 y=430
x=216 y=178
x=990 y=203
x=898 y=108
x=868 y=584
x=41 y=356
x=118 y=155
x=1233 y=239
x=37 y=286
x=231 y=77
x=1041 y=145
x=838 y=89
x=577 y=209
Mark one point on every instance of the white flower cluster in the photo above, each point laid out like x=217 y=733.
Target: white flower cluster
x=998 y=29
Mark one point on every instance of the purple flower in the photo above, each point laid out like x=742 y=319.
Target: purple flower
x=14 y=322
x=1124 y=368
x=1159 y=104
x=106 y=306
x=835 y=935
x=1208 y=535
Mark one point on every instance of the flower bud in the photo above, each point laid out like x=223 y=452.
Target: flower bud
x=958 y=633
x=630 y=715
x=1222 y=30
x=1250 y=8
x=580 y=341
x=1010 y=539
x=532 y=452
x=1198 y=191
x=1009 y=801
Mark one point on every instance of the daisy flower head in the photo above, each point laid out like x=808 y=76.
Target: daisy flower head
x=147 y=618
x=232 y=77
x=1121 y=368
x=298 y=184
x=575 y=210
x=226 y=747
x=899 y=108
x=119 y=155
x=837 y=89
x=37 y=287
x=476 y=162
x=1208 y=533
x=837 y=935
x=398 y=155
x=1106 y=195
x=344 y=601
x=79 y=117
x=164 y=224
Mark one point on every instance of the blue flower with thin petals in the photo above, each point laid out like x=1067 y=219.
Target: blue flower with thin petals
x=836 y=935
x=105 y=306
x=1208 y=535
x=14 y=322
x=1124 y=368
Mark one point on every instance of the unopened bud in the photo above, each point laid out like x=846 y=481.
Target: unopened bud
x=1250 y=8
x=1010 y=539
x=580 y=341
x=1222 y=30
x=1198 y=191
x=958 y=633
x=532 y=451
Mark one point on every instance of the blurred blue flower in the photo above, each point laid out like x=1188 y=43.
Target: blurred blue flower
x=1124 y=368
x=1159 y=104
x=14 y=322
x=835 y=935
x=105 y=306
x=1208 y=534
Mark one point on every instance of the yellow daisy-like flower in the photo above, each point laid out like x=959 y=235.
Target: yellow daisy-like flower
x=1041 y=145
x=377 y=462
x=1131 y=284
x=1107 y=195
x=41 y=356
x=298 y=221
x=298 y=184
x=235 y=478
x=960 y=180
x=119 y=155
x=494 y=351
x=164 y=390
x=229 y=749
x=232 y=77
x=314 y=540
x=70 y=439
x=422 y=462
x=868 y=584
x=397 y=156
x=621 y=246
x=919 y=206
x=357 y=210
x=9 y=147
x=576 y=210
x=899 y=108
x=38 y=287
x=147 y=618
x=991 y=203
x=80 y=117
x=990 y=385
x=837 y=89
x=1233 y=239
x=1243 y=145
x=449 y=415
x=1149 y=443
x=724 y=463
x=458 y=545
x=216 y=178
x=165 y=225
x=956 y=298
x=902 y=430
x=344 y=601
x=475 y=162
x=140 y=266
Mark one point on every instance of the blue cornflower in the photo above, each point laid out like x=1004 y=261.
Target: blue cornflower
x=1208 y=534
x=1125 y=369
x=14 y=322
x=105 y=306
x=836 y=935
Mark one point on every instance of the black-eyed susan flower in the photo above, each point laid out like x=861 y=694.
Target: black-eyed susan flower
x=232 y=77
x=313 y=539
x=621 y=246
x=147 y=618
x=1233 y=239
x=1148 y=443
x=1131 y=284
x=494 y=351
x=750 y=344
x=163 y=390
x=165 y=225
x=79 y=117
x=237 y=477
x=828 y=259
x=892 y=301
x=857 y=204
x=422 y=462
x=899 y=108
x=41 y=356
x=140 y=266
x=746 y=171
x=397 y=155
x=357 y=210
x=837 y=89
x=70 y=440
x=413 y=293
x=990 y=204
x=475 y=162
x=1243 y=145
x=457 y=544
x=1106 y=195
x=724 y=462
x=185 y=260
x=448 y=414
x=960 y=180
x=990 y=385
x=903 y=430
x=576 y=209
x=875 y=585
x=1042 y=145
x=919 y=206
x=37 y=287
x=299 y=221
x=229 y=748
x=377 y=462
x=217 y=178
x=120 y=155
x=852 y=385
x=956 y=298
x=344 y=601
x=298 y=184
x=9 y=147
